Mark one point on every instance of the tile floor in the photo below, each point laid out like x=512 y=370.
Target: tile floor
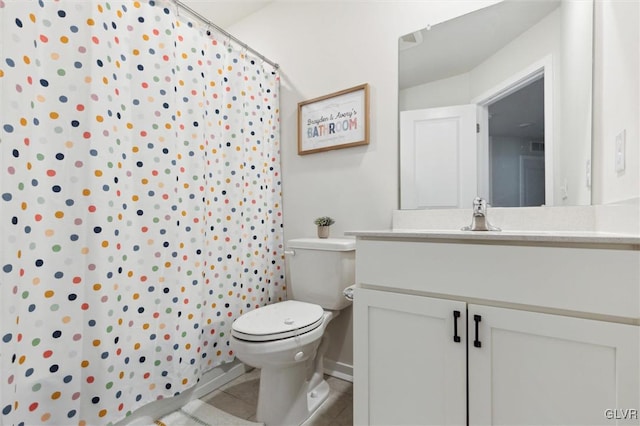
x=240 y=398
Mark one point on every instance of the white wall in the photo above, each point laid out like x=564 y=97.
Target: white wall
x=323 y=47
x=616 y=99
x=572 y=150
x=454 y=90
x=326 y=46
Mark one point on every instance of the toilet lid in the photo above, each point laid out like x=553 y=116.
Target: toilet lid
x=278 y=321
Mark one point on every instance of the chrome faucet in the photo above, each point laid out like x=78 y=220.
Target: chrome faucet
x=479 y=221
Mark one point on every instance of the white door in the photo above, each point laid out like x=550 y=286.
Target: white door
x=532 y=368
x=438 y=157
x=409 y=367
x=532 y=181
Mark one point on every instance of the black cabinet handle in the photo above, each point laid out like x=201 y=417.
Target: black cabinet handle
x=456 y=315
x=477 y=343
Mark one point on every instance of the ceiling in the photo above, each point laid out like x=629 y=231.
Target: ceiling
x=456 y=46
x=225 y=13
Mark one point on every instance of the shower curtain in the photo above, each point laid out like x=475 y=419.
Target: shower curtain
x=141 y=205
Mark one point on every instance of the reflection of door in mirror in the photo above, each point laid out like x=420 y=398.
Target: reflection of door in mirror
x=438 y=157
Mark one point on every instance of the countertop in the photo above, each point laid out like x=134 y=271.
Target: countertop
x=523 y=237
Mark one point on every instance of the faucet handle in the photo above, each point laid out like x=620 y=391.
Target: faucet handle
x=479 y=206
x=479 y=220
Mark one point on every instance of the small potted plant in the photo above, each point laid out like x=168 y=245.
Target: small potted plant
x=324 y=222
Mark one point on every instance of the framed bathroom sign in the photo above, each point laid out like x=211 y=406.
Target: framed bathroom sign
x=334 y=121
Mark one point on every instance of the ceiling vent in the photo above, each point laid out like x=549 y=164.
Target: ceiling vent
x=410 y=40
x=536 y=147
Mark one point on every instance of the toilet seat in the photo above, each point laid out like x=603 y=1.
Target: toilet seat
x=278 y=321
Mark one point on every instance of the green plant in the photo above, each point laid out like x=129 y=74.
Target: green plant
x=324 y=221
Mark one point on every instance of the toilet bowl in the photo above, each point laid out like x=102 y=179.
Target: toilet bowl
x=287 y=340
x=292 y=385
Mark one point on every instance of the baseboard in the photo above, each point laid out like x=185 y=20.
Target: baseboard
x=338 y=369
x=211 y=380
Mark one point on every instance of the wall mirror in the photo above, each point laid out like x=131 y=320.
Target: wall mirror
x=498 y=103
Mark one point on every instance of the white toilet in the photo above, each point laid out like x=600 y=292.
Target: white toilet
x=285 y=340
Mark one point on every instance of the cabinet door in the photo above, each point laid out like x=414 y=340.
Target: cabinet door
x=541 y=369
x=408 y=370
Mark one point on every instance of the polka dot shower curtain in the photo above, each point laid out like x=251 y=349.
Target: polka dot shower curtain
x=141 y=205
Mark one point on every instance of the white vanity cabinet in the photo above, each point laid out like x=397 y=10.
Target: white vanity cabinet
x=542 y=369
x=407 y=367
x=548 y=333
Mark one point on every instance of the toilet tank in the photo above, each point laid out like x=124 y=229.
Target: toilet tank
x=320 y=269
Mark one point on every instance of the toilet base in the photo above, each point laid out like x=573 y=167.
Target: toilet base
x=316 y=397
x=284 y=399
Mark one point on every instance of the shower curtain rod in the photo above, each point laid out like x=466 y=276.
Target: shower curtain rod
x=227 y=34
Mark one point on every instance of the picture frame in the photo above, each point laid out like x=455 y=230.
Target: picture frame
x=334 y=121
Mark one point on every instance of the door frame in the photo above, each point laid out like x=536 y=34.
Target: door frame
x=535 y=71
